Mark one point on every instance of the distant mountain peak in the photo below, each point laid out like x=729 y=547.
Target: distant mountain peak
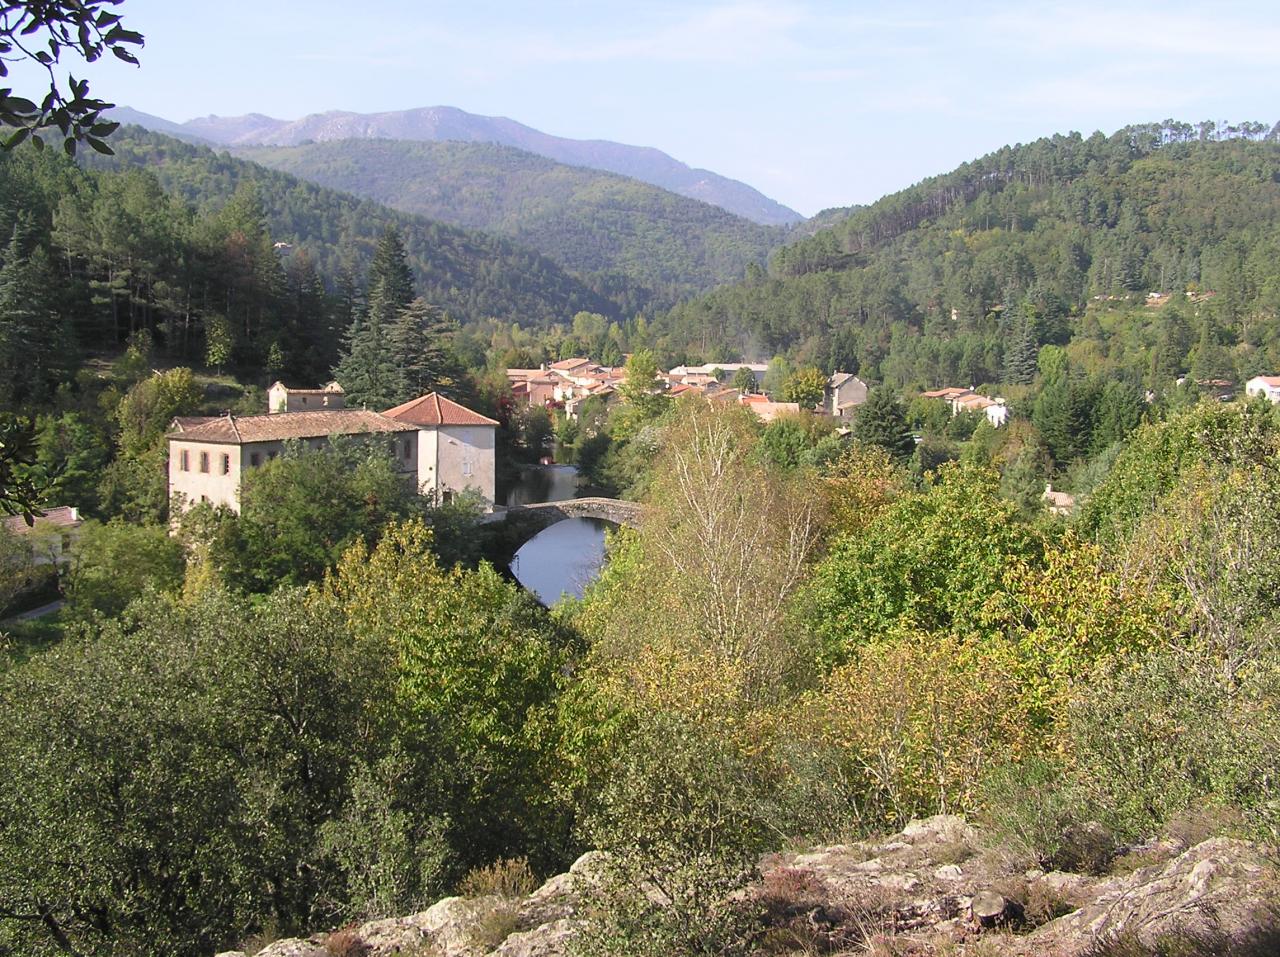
x=431 y=123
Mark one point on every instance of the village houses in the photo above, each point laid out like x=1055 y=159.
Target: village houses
x=442 y=447
x=565 y=384
x=966 y=400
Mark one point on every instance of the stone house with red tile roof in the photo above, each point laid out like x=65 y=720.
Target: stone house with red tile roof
x=440 y=446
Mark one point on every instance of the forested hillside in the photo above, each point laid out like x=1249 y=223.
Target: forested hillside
x=934 y=283
x=586 y=220
x=471 y=275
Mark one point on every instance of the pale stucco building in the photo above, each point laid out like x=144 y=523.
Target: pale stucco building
x=1264 y=386
x=209 y=455
x=280 y=398
x=455 y=447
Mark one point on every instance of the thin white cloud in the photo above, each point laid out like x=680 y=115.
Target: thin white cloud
x=731 y=32
x=1209 y=31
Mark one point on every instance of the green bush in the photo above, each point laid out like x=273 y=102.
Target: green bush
x=683 y=817
x=1173 y=730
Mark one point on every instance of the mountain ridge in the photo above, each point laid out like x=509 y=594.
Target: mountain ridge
x=436 y=123
x=590 y=221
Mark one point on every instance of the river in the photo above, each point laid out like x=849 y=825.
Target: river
x=566 y=557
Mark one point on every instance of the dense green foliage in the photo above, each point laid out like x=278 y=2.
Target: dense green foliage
x=302 y=716
x=221 y=260
x=959 y=279
x=620 y=234
x=301 y=511
x=202 y=769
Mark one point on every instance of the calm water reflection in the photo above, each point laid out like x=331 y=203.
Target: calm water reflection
x=562 y=559
x=544 y=483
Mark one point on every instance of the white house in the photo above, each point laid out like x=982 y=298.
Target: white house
x=966 y=400
x=455 y=446
x=50 y=537
x=1266 y=386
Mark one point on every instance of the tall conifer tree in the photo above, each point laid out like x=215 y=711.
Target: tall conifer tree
x=882 y=421
x=370 y=371
x=422 y=341
x=1020 y=359
x=36 y=345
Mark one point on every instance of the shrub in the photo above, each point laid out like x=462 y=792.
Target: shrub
x=493 y=920
x=503 y=878
x=683 y=817
x=1027 y=807
x=1170 y=731
x=918 y=721
x=345 y=943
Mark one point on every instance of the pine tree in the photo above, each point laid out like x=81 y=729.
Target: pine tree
x=367 y=371
x=36 y=345
x=1020 y=361
x=390 y=278
x=882 y=421
x=422 y=345
x=1059 y=414
x=1119 y=412
x=309 y=334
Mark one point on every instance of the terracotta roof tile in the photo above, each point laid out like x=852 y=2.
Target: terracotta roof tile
x=281 y=426
x=434 y=409
x=567 y=364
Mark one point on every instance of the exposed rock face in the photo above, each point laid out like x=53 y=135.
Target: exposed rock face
x=934 y=883
x=1216 y=890
x=932 y=887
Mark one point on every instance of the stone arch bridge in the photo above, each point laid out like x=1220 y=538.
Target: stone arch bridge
x=526 y=521
x=542 y=515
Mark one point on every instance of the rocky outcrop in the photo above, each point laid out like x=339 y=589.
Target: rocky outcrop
x=935 y=887
x=538 y=925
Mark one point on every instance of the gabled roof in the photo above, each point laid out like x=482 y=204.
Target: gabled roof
x=950 y=392
x=1272 y=380
x=840 y=379
x=64 y=516
x=567 y=364
x=434 y=409
x=183 y=422
x=975 y=402
x=282 y=426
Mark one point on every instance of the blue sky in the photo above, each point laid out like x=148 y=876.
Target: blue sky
x=816 y=104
